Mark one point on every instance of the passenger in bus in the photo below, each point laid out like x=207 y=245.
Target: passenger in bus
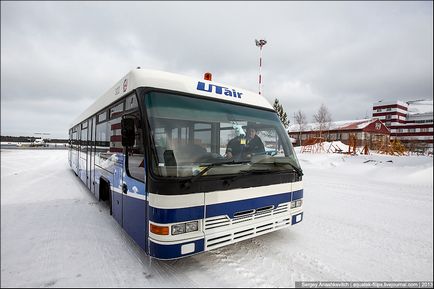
x=236 y=145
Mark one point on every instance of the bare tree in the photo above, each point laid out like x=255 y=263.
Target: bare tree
x=323 y=118
x=300 y=120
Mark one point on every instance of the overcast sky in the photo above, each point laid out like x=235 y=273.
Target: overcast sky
x=58 y=57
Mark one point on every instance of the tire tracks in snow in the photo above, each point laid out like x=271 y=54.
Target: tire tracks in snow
x=248 y=259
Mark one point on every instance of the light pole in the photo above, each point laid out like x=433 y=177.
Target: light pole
x=260 y=43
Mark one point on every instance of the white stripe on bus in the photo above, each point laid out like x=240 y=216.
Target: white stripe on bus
x=129 y=194
x=209 y=198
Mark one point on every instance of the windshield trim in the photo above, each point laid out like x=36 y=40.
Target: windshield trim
x=147 y=90
x=142 y=92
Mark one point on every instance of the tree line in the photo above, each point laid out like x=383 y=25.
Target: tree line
x=322 y=117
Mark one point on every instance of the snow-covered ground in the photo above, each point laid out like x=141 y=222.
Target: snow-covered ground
x=366 y=218
x=29 y=145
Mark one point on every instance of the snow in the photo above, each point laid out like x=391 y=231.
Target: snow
x=366 y=218
x=420 y=107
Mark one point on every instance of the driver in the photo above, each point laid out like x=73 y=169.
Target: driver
x=254 y=145
x=242 y=147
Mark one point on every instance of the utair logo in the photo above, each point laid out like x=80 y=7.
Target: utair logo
x=218 y=89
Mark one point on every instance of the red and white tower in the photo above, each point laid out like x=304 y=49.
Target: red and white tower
x=260 y=43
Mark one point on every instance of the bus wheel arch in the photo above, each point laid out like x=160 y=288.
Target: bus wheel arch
x=105 y=192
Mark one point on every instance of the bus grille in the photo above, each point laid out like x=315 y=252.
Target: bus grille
x=222 y=230
x=245 y=216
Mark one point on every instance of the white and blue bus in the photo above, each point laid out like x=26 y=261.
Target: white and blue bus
x=154 y=147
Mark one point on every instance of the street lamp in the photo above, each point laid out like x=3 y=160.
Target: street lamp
x=260 y=43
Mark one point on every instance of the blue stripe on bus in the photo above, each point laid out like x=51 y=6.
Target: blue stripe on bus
x=164 y=216
x=231 y=208
x=134 y=222
x=297 y=195
x=173 y=251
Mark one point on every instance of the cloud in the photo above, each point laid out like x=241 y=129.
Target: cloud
x=345 y=55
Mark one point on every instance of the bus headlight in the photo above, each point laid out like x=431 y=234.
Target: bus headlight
x=191 y=226
x=178 y=229
x=296 y=204
x=185 y=227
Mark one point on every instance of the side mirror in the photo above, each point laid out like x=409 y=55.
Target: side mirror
x=128 y=132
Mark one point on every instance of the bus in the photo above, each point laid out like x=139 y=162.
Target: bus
x=154 y=147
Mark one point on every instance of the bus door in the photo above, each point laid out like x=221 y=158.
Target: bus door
x=133 y=187
x=91 y=155
x=83 y=153
x=77 y=150
x=115 y=159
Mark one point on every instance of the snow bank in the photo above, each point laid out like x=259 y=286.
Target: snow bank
x=379 y=167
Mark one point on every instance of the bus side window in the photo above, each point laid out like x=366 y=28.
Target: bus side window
x=136 y=153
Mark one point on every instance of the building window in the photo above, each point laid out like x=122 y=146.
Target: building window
x=389 y=109
x=411 y=130
x=379 y=110
x=423 y=121
x=388 y=123
x=388 y=117
x=424 y=129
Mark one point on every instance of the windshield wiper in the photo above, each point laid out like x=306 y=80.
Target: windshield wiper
x=297 y=169
x=210 y=166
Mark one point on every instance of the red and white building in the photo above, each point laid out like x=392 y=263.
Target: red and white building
x=366 y=131
x=410 y=122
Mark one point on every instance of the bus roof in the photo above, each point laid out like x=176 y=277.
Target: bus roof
x=175 y=82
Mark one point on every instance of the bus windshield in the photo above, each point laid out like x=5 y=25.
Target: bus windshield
x=196 y=137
